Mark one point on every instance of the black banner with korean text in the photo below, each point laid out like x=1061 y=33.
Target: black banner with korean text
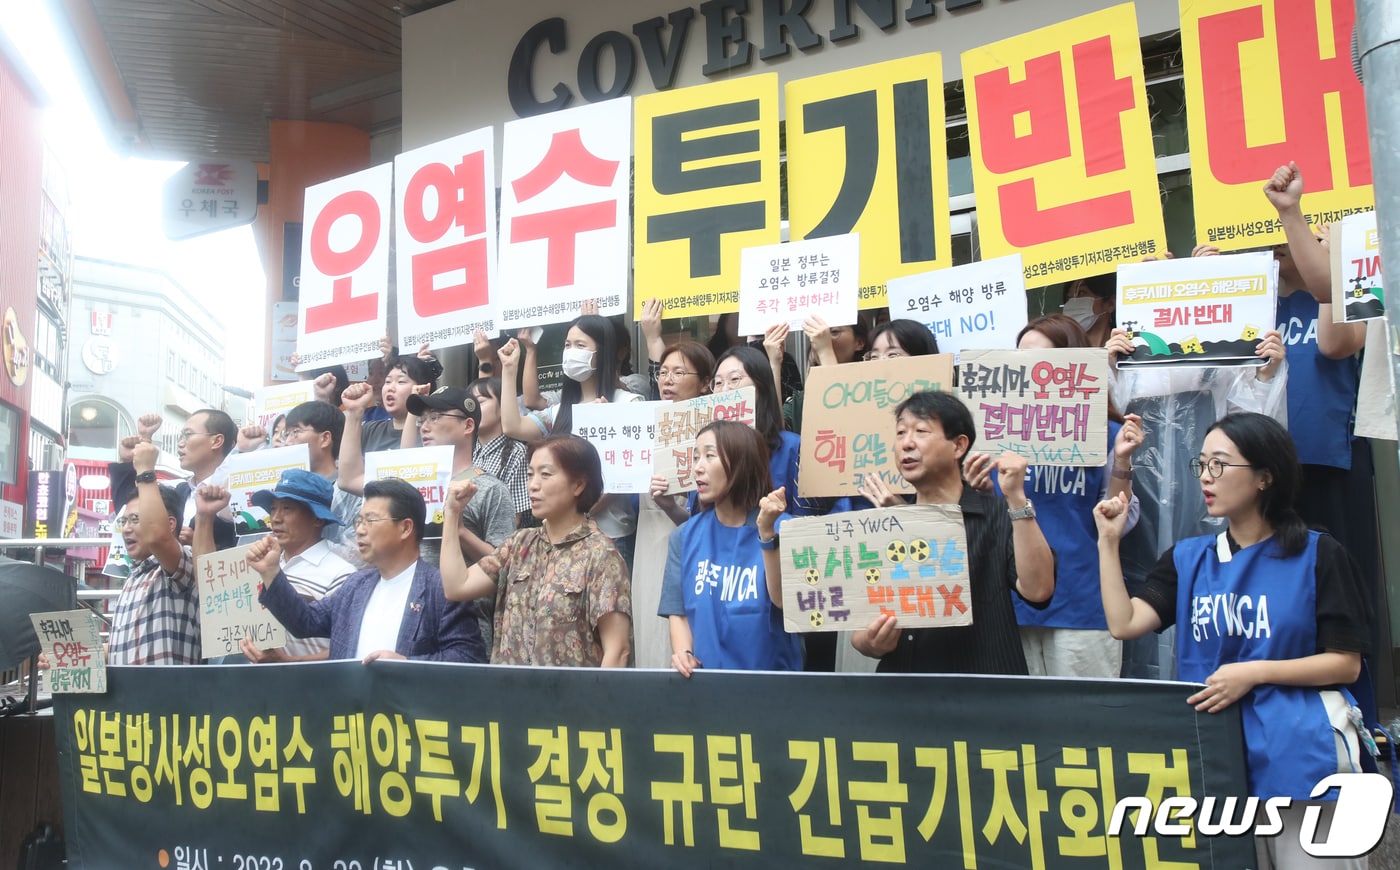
x=417 y=765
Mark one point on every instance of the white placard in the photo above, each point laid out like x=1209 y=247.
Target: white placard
x=565 y=213
x=284 y=340
x=269 y=403
x=260 y=469
x=72 y=640
x=790 y=282
x=428 y=469
x=624 y=434
x=229 y=609
x=980 y=305
x=1358 y=288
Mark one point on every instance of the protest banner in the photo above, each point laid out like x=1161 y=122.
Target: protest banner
x=1061 y=146
x=260 y=469
x=881 y=125
x=677 y=424
x=565 y=213
x=1358 y=290
x=981 y=304
x=848 y=421
x=1197 y=311
x=843 y=570
x=72 y=640
x=229 y=609
x=1270 y=82
x=1050 y=406
x=344 y=301
x=790 y=282
x=428 y=469
x=623 y=433
x=274 y=401
x=691 y=221
x=445 y=240
x=426 y=764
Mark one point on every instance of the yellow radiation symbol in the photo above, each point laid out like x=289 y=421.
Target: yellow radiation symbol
x=918 y=549
x=812 y=576
x=896 y=552
x=437 y=517
x=872 y=575
x=817 y=619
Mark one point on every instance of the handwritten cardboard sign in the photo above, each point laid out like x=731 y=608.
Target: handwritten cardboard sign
x=843 y=570
x=1358 y=291
x=229 y=609
x=1050 y=406
x=269 y=403
x=429 y=469
x=788 y=283
x=72 y=640
x=1197 y=311
x=677 y=424
x=260 y=469
x=623 y=434
x=848 y=420
x=980 y=304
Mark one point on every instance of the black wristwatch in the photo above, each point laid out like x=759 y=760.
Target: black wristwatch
x=146 y=477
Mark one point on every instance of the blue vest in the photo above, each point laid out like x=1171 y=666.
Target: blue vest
x=734 y=624
x=1321 y=391
x=1258 y=607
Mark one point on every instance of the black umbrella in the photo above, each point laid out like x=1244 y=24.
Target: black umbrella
x=27 y=588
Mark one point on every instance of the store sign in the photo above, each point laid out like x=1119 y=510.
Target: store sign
x=207 y=195
x=101 y=323
x=11 y=519
x=44 y=509
x=100 y=356
x=16 y=349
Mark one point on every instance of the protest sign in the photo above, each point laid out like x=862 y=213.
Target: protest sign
x=623 y=433
x=1270 y=82
x=260 y=469
x=1358 y=290
x=842 y=571
x=1061 y=147
x=677 y=424
x=848 y=420
x=72 y=640
x=229 y=609
x=428 y=469
x=1050 y=406
x=344 y=298
x=445 y=240
x=564 y=213
x=272 y=402
x=880 y=124
x=706 y=187
x=1197 y=311
x=789 y=283
x=981 y=304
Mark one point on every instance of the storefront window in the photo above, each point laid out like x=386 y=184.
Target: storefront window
x=9 y=445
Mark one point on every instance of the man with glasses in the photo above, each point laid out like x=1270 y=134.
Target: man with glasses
x=394 y=609
x=320 y=426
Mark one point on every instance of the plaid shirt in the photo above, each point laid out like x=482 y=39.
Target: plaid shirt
x=156 y=618
x=490 y=458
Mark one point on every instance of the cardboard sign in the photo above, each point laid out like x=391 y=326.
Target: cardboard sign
x=624 y=434
x=1050 y=406
x=706 y=187
x=1197 y=311
x=429 y=469
x=272 y=402
x=880 y=124
x=981 y=304
x=842 y=571
x=789 y=283
x=261 y=469
x=445 y=240
x=1375 y=394
x=565 y=213
x=848 y=420
x=1358 y=291
x=72 y=640
x=229 y=609
x=1269 y=82
x=1061 y=145
x=345 y=268
x=677 y=424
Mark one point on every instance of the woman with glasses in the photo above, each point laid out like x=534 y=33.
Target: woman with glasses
x=901 y=337
x=1272 y=616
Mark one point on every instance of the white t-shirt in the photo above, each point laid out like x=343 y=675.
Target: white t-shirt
x=379 y=629
x=314 y=574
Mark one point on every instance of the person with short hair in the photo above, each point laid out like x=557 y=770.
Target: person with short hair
x=402 y=379
x=496 y=452
x=320 y=426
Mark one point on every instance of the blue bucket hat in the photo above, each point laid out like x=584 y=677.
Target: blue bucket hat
x=297 y=484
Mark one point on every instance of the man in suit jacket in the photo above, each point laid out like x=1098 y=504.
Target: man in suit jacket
x=393 y=610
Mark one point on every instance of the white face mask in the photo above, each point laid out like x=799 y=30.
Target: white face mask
x=578 y=364
x=1081 y=310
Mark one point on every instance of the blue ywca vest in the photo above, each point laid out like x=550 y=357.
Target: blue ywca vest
x=1321 y=391
x=1258 y=607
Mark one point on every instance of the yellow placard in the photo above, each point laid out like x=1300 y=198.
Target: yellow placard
x=1062 y=159
x=1268 y=83
x=867 y=154
x=706 y=187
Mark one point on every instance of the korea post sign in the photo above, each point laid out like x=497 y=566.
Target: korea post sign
x=1062 y=157
x=1269 y=82
x=867 y=154
x=706 y=187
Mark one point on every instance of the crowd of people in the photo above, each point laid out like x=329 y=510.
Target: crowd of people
x=1238 y=484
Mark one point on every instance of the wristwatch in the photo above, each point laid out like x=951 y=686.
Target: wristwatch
x=146 y=477
x=1022 y=513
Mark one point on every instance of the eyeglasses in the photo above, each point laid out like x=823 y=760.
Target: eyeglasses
x=362 y=520
x=432 y=417
x=673 y=375
x=1215 y=466
x=187 y=435
x=733 y=383
x=130 y=520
